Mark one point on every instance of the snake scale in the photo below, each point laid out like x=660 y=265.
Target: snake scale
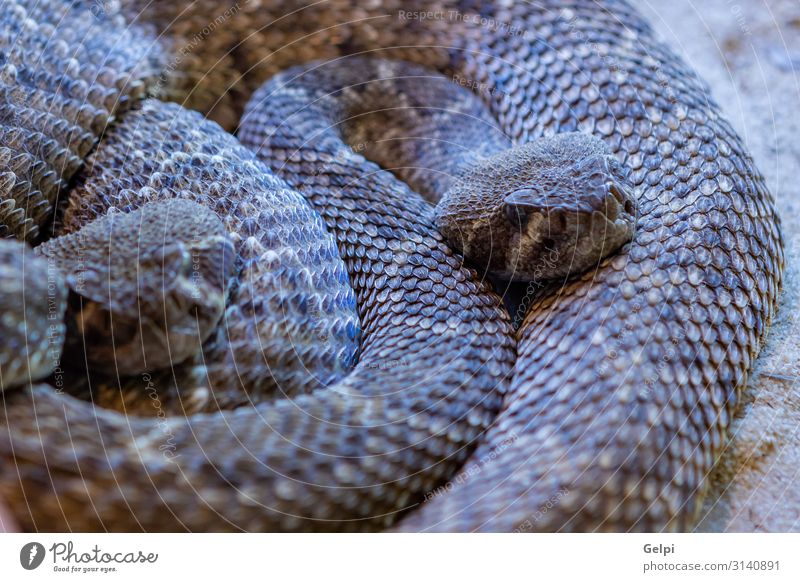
x=605 y=410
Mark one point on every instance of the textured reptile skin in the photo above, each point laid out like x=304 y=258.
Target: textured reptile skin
x=625 y=378
x=348 y=456
x=293 y=326
x=508 y=209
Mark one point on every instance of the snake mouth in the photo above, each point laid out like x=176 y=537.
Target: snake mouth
x=623 y=196
x=620 y=201
x=162 y=331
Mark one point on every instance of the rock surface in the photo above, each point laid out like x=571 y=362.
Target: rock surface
x=749 y=53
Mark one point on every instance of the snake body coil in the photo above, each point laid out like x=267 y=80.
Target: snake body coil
x=625 y=378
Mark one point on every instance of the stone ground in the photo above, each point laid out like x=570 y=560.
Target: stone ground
x=749 y=53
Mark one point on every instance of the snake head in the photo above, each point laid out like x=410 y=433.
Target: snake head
x=147 y=288
x=548 y=209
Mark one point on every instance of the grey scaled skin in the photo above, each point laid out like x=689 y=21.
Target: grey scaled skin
x=610 y=410
x=291 y=430
x=547 y=209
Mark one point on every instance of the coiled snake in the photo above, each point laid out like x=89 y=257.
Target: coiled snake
x=608 y=415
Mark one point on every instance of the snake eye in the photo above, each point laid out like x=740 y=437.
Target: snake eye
x=597 y=165
x=520 y=205
x=517 y=215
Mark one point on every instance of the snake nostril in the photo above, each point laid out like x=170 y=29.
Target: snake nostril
x=623 y=196
x=629 y=207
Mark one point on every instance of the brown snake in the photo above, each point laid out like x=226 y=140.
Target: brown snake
x=625 y=379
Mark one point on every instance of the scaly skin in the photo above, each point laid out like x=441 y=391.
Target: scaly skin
x=349 y=455
x=506 y=208
x=626 y=378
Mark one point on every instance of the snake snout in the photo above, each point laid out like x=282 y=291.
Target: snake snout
x=519 y=207
x=570 y=224
x=613 y=211
x=199 y=297
x=187 y=298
